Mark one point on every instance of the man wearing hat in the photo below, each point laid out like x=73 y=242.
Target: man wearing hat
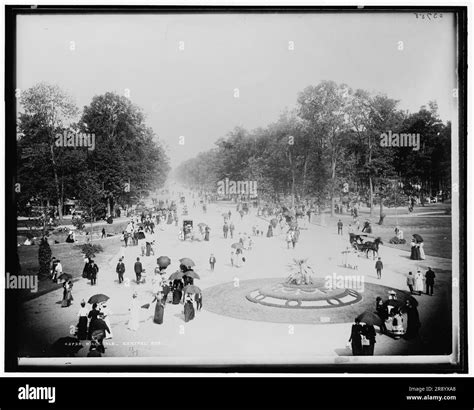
x=120 y=269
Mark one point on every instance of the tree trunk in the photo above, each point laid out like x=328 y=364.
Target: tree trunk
x=371 y=185
x=290 y=160
x=333 y=180
x=371 y=196
x=305 y=169
x=56 y=184
x=109 y=209
x=382 y=216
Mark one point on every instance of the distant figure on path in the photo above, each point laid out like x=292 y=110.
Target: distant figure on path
x=378 y=268
x=430 y=280
x=212 y=261
x=120 y=269
x=270 y=231
x=410 y=282
x=189 y=309
x=67 y=294
x=94 y=270
x=138 y=270
x=419 y=283
x=82 y=325
x=159 y=308
x=339 y=227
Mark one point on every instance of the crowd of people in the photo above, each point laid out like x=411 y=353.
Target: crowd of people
x=178 y=288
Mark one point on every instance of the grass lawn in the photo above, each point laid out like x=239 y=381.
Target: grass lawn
x=71 y=258
x=435 y=229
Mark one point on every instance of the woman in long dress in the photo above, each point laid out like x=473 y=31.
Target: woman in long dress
x=413 y=319
x=106 y=312
x=157 y=283
x=356 y=338
x=134 y=321
x=419 y=284
x=422 y=252
x=82 y=324
x=189 y=309
x=67 y=294
x=270 y=231
x=413 y=252
x=159 y=308
x=177 y=291
x=93 y=316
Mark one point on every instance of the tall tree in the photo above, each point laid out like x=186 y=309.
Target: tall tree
x=126 y=149
x=47 y=110
x=325 y=107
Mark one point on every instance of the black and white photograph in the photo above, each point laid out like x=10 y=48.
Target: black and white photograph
x=236 y=187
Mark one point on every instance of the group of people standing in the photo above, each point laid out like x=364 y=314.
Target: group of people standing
x=417 y=252
x=362 y=339
x=94 y=325
x=416 y=283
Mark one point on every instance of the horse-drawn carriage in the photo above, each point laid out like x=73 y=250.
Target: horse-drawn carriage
x=360 y=243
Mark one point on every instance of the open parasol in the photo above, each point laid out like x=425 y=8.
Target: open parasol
x=99 y=298
x=236 y=245
x=65 y=276
x=191 y=274
x=370 y=318
x=176 y=275
x=192 y=289
x=418 y=237
x=187 y=262
x=163 y=261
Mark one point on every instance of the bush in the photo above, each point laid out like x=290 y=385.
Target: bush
x=79 y=223
x=44 y=258
x=89 y=250
x=397 y=241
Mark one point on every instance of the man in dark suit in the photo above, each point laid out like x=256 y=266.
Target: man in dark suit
x=120 y=269
x=94 y=270
x=430 y=279
x=138 y=270
x=378 y=268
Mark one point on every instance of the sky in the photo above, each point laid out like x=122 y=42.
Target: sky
x=183 y=70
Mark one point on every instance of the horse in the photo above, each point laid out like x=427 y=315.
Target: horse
x=372 y=246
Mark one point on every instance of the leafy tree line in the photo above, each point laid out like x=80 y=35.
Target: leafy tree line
x=125 y=151
x=329 y=148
